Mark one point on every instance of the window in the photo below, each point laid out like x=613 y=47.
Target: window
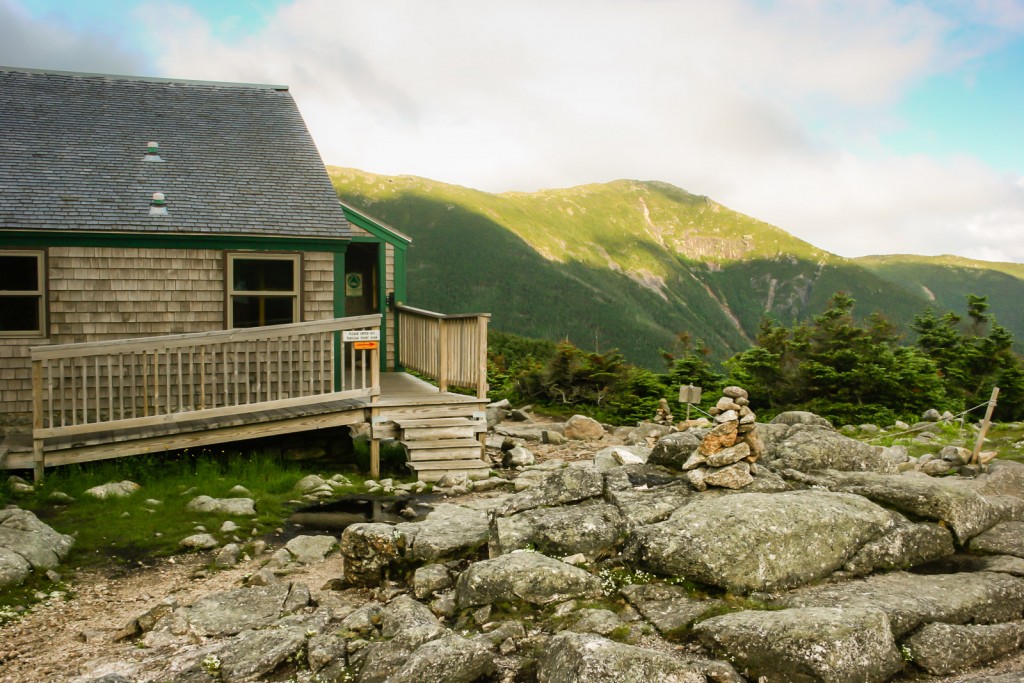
x=263 y=289
x=22 y=289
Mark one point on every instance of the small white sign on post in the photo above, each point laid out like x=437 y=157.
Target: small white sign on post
x=689 y=394
x=360 y=335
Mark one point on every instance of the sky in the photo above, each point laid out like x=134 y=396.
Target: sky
x=862 y=127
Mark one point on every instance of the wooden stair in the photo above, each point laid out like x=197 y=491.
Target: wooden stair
x=439 y=444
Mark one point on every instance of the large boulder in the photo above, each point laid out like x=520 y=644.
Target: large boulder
x=668 y=608
x=570 y=484
x=369 y=550
x=523 y=576
x=448 y=659
x=234 y=611
x=1003 y=478
x=947 y=648
x=806 y=645
x=241 y=507
x=964 y=511
x=800 y=417
x=821 y=448
x=645 y=505
x=1005 y=538
x=906 y=545
x=911 y=600
x=594 y=529
x=449 y=531
x=27 y=544
x=588 y=658
x=759 y=541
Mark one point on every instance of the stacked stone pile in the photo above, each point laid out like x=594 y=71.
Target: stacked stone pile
x=729 y=450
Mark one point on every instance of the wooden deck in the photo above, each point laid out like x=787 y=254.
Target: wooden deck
x=401 y=395
x=110 y=399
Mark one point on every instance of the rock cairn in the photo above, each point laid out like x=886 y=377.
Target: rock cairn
x=730 y=448
x=663 y=416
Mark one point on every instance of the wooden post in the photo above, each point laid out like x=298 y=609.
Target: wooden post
x=984 y=426
x=442 y=359
x=38 y=459
x=481 y=380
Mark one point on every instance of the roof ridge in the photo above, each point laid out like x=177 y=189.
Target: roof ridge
x=143 y=79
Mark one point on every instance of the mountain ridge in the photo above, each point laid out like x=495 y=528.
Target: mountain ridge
x=628 y=264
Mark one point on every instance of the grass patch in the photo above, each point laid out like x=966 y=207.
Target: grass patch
x=151 y=522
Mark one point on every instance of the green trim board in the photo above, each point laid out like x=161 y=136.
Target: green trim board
x=375 y=227
x=121 y=240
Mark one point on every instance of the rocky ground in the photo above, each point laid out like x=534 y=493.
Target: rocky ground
x=81 y=636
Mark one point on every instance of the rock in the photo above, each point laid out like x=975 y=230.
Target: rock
x=369 y=550
x=384 y=659
x=759 y=541
x=310 y=483
x=324 y=650
x=255 y=653
x=907 y=545
x=120 y=489
x=582 y=428
x=525 y=576
x=596 y=530
x=587 y=658
x=735 y=476
x=911 y=600
x=800 y=417
x=937 y=467
x=1005 y=538
x=822 y=448
x=223 y=506
x=966 y=512
x=728 y=456
x=228 y=556
x=26 y=543
x=449 y=531
x=675 y=449
x=517 y=457
x=721 y=436
x=931 y=415
x=668 y=608
x=311 y=549
x=553 y=437
x=576 y=482
x=1003 y=478
x=647 y=433
x=199 y=542
x=649 y=505
x=600 y=621
x=405 y=613
x=430 y=579
x=232 y=612
x=947 y=648
x=735 y=392
x=616 y=456
x=448 y=659
x=813 y=644
x=525 y=432
x=955 y=454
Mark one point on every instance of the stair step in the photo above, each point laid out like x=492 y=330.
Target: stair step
x=439 y=422
x=442 y=443
x=432 y=471
x=447 y=456
x=437 y=433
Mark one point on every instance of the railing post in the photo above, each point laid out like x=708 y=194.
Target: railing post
x=481 y=380
x=442 y=350
x=38 y=458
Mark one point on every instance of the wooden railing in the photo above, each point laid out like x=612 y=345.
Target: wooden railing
x=98 y=386
x=450 y=349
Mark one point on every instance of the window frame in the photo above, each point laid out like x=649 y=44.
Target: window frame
x=39 y=292
x=229 y=282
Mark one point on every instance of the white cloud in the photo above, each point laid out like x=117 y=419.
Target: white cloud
x=774 y=109
x=52 y=44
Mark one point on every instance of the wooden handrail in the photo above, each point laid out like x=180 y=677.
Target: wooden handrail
x=97 y=386
x=450 y=349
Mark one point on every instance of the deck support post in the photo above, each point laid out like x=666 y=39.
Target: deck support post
x=38 y=458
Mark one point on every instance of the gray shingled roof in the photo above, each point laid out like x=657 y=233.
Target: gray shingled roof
x=237 y=158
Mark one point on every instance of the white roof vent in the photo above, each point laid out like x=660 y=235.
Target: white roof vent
x=158 y=207
x=152 y=152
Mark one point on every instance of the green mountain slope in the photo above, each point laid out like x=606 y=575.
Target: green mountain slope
x=944 y=281
x=625 y=265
